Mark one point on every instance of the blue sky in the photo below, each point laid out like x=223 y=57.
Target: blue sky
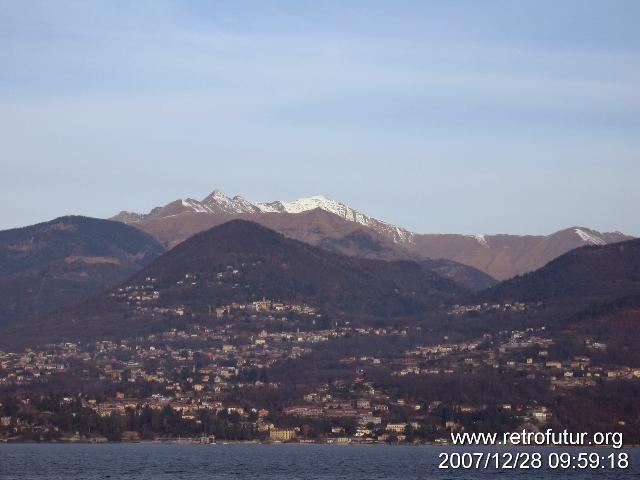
x=450 y=116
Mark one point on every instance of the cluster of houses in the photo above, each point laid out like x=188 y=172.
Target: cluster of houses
x=266 y=305
x=503 y=351
x=137 y=295
x=459 y=310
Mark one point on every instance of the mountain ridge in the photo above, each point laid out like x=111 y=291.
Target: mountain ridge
x=501 y=256
x=319 y=228
x=219 y=203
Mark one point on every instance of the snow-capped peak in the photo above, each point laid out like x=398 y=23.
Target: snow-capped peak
x=218 y=202
x=306 y=204
x=589 y=237
x=300 y=205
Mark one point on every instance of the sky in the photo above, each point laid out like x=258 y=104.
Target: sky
x=450 y=116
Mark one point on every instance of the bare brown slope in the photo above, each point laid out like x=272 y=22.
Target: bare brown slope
x=498 y=256
x=505 y=256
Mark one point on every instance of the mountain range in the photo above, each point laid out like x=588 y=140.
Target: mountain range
x=313 y=251
x=259 y=308
x=56 y=264
x=242 y=262
x=500 y=256
x=217 y=203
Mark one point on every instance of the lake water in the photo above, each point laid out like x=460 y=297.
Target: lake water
x=256 y=462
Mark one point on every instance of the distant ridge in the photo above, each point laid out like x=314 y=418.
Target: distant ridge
x=499 y=256
x=219 y=203
x=589 y=275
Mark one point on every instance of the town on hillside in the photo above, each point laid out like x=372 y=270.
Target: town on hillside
x=272 y=371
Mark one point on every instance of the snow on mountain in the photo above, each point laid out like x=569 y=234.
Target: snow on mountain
x=501 y=256
x=589 y=237
x=218 y=202
x=306 y=204
x=482 y=240
x=195 y=205
x=399 y=235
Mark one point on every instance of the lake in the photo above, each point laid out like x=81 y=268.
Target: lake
x=281 y=462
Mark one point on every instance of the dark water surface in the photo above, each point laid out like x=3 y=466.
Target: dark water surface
x=256 y=462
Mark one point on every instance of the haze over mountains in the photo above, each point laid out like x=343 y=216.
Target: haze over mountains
x=500 y=256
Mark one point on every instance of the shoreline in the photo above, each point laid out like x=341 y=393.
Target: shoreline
x=340 y=444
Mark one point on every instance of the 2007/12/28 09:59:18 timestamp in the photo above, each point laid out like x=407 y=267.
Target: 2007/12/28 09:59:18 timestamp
x=533 y=460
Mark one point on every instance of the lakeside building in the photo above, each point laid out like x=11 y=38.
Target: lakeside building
x=281 y=434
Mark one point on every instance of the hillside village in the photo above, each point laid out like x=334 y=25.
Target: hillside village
x=239 y=377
